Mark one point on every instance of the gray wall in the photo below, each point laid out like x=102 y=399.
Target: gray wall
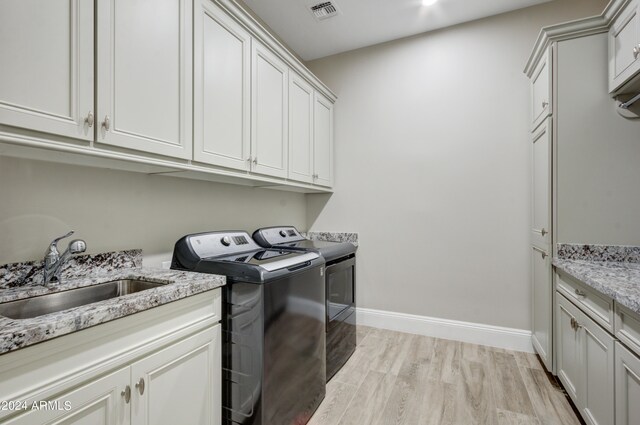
x=433 y=166
x=598 y=153
x=115 y=210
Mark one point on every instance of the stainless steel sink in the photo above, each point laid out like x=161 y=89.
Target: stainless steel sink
x=50 y=303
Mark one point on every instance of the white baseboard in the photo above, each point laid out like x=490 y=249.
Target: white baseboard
x=475 y=333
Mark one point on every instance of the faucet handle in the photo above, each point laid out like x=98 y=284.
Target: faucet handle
x=77 y=246
x=58 y=239
x=52 y=251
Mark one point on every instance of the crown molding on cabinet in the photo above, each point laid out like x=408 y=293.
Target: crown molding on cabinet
x=573 y=29
x=258 y=31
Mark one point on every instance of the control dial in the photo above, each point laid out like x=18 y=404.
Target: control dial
x=226 y=241
x=283 y=233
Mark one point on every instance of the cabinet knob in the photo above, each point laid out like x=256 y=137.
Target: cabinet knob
x=89 y=120
x=126 y=393
x=140 y=386
x=543 y=232
x=106 y=123
x=575 y=325
x=636 y=52
x=544 y=104
x=255 y=160
x=580 y=293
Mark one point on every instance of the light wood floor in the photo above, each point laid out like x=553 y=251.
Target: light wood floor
x=395 y=378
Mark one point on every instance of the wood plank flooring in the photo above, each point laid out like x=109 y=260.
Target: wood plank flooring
x=395 y=378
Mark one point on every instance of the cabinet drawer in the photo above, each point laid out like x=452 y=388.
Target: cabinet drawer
x=627 y=327
x=597 y=306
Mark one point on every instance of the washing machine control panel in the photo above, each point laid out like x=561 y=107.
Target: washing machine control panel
x=213 y=244
x=271 y=236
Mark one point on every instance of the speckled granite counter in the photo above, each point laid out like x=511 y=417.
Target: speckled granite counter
x=15 y=334
x=333 y=237
x=619 y=280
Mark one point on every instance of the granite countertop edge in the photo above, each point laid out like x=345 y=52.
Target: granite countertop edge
x=16 y=334
x=617 y=280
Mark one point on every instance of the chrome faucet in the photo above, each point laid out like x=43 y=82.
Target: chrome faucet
x=53 y=261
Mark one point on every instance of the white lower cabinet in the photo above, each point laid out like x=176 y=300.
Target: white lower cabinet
x=627 y=386
x=179 y=384
x=157 y=367
x=542 y=305
x=585 y=363
x=568 y=347
x=98 y=402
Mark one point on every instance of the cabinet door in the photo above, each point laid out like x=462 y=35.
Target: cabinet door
x=145 y=75
x=269 y=117
x=624 y=46
x=323 y=140
x=180 y=384
x=598 y=372
x=222 y=100
x=46 y=76
x=300 y=129
x=541 y=190
x=627 y=386
x=541 y=90
x=542 y=308
x=98 y=402
x=568 y=348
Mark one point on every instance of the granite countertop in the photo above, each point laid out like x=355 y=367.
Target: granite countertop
x=333 y=236
x=619 y=280
x=15 y=334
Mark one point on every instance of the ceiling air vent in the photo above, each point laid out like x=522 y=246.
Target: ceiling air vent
x=324 y=10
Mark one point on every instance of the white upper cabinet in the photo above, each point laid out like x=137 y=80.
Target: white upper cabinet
x=541 y=90
x=46 y=74
x=323 y=141
x=195 y=85
x=269 y=112
x=300 y=129
x=222 y=88
x=541 y=181
x=144 y=75
x=624 y=46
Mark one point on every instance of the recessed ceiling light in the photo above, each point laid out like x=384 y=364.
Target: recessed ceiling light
x=428 y=2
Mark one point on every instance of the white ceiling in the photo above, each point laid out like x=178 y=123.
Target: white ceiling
x=366 y=22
